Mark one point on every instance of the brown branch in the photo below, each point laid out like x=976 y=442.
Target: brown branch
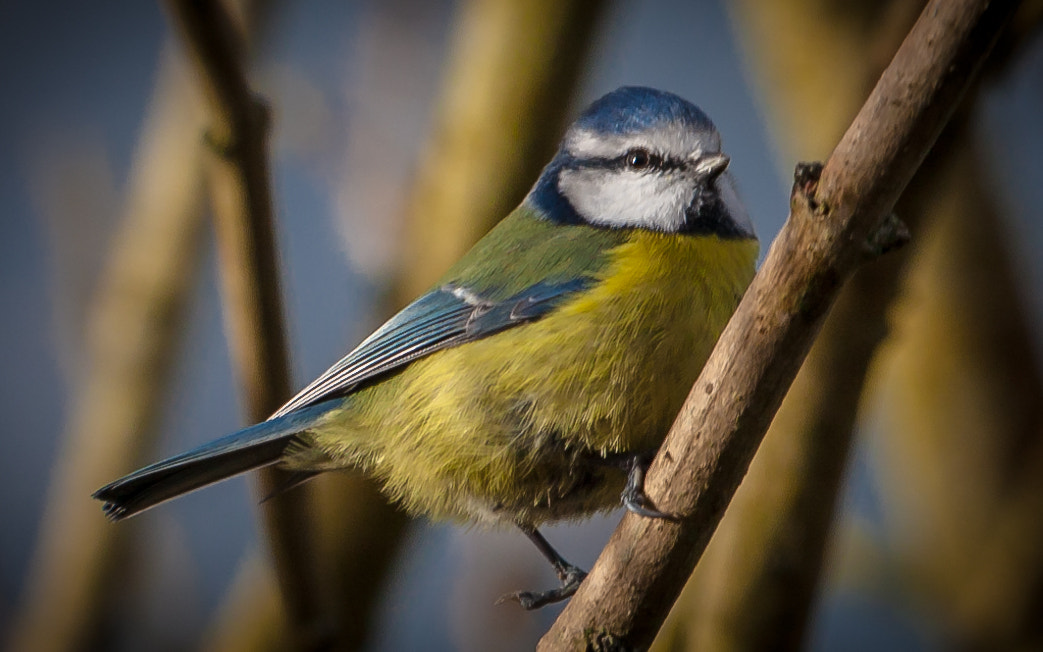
x=759 y=575
x=251 y=618
x=513 y=67
x=645 y=564
x=964 y=392
x=758 y=578
x=239 y=184
x=756 y=581
x=131 y=331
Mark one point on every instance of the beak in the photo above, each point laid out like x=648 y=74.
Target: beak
x=711 y=166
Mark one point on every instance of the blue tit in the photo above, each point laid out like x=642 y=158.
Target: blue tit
x=539 y=376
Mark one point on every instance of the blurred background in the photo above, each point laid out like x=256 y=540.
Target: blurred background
x=897 y=503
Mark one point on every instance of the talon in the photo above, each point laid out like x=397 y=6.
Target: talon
x=634 y=497
x=571 y=578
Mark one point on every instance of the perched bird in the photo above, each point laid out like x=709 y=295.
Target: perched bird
x=537 y=379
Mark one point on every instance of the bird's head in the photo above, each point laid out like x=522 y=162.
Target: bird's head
x=642 y=158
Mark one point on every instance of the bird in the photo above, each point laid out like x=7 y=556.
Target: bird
x=536 y=380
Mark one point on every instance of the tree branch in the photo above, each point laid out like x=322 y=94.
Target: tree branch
x=758 y=579
x=512 y=68
x=238 y=135
x=629 y=591
x=132 y=329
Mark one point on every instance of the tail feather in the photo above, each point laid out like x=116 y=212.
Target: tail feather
x=250 y=448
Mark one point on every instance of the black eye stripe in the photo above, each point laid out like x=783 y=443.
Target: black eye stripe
x=656 y=162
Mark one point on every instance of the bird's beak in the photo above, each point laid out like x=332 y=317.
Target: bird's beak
x=711 y=166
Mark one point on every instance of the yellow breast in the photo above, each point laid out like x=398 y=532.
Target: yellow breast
x=511 y=422
x=614 y=365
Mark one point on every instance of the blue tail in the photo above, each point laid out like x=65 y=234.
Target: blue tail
x=250 y=448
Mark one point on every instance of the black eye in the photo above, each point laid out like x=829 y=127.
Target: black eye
x=639 y=159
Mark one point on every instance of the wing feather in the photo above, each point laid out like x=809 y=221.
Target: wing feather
x=445 y=317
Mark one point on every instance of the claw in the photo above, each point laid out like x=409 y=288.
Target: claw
x=634 y=497
x=571 y=578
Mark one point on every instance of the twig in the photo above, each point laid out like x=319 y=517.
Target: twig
x=238 y=135
x=629 y=591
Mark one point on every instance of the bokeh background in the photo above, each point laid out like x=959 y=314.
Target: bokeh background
x=933 y=486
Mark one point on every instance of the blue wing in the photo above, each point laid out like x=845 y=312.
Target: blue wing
x=448 y=316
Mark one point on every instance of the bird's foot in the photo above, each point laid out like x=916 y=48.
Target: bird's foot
x=634 y=497
x=571 y=577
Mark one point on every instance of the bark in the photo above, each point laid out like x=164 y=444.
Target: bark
x=834 y=215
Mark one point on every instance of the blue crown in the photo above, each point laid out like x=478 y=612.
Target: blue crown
x=636 y=108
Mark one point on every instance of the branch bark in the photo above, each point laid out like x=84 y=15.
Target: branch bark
x=758 y=579
x=629 y=591
x=241 y=198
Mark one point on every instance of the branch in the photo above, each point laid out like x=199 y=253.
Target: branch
x=964 y=392
x=757 y=580
x=512 y=68
x=238 y=134
x=132 y=329
x=628 y=593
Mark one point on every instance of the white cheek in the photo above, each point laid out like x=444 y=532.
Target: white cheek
x=627 y=199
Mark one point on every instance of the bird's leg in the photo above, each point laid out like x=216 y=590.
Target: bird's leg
x=634 y=497
x=571 y=576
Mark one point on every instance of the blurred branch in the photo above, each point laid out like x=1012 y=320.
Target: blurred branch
x=639 y=574
x=251 y=619
x=513 y=69
x=239 y=178
x=132 y=328
x=964 y=392
x=999 y=602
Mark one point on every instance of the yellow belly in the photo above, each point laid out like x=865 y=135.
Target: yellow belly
x=515 y=427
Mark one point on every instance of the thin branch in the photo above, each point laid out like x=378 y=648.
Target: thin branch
x=238 y=134
x=513 y=67
x=759 y=575
x=132 y=329
x=757 y=580
x=964 y=392
x=510 y=67
x=629 y=591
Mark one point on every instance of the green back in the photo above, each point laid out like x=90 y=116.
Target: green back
x=524 y=249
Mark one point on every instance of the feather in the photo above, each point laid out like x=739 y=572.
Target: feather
x=249 y=448
x=445 y=317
